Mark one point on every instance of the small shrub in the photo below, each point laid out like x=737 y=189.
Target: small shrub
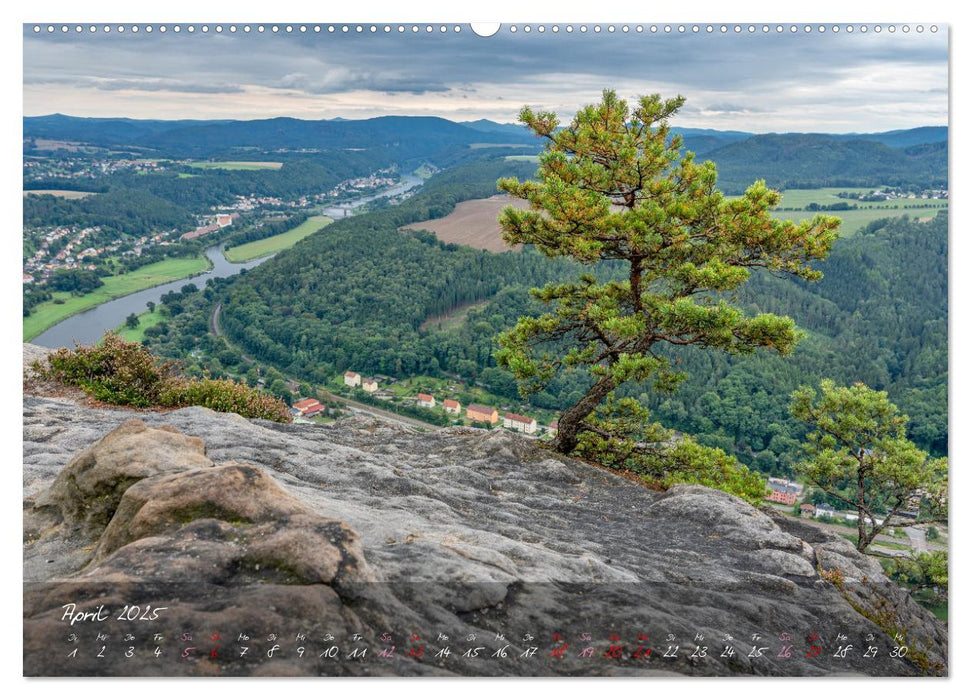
x=114 y=371
x=226 y=396
x=834 y=576
x=127 y=374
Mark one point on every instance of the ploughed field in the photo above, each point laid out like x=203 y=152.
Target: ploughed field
x=66 y=194
x=473 y=223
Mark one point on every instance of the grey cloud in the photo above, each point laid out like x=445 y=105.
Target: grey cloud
x=734 y=109
x=737 y=75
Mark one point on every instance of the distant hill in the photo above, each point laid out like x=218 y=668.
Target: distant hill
x=406 y=137
x=816 y=160
x=104 y=131
x=514 y=131
x=912 y=156
x=902 y=138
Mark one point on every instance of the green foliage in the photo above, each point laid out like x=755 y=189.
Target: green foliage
x=620 y=435
x=113 y=371
x=127 y=374
x=823 y=160
x=879 y=315
x=75 y=281
x=613 y=186
x=926 y=571
x=377 y=285
x=858 y=452
x=128 y=211
x=225 y=396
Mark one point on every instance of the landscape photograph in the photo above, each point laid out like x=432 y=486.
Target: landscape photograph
x=520 y=350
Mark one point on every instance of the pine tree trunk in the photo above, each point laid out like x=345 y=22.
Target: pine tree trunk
x=569 y=423
x=862 y=541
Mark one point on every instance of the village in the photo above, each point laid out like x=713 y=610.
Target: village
x=470 y=414
x=68 y=247
x=82 y=166
x=64 y=248
x=887 y=194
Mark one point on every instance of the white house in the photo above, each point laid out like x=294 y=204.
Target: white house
x=426 y=400
x=352 y=379
x=825 y=510
x=523 y=424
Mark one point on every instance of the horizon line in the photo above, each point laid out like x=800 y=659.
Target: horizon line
x=432 y=116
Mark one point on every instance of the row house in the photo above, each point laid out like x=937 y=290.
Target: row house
x=523 y=424
x=483 y=414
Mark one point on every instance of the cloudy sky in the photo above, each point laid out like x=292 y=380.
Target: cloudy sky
x=776 y=82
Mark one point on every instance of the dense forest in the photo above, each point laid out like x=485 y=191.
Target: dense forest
x=819 y=160
x=358 y=295
x=133 y=212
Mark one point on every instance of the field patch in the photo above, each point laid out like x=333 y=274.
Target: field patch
x=473 y=223
x=238 y=165
x=146 y=319
x=66 y=194
x=274 y=244
x=794 y=203
x=453 y=318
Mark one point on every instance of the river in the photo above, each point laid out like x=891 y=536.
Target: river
x=89 y=326
x=342 y=210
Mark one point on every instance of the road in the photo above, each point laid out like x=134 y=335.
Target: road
x=918 y=538
x=379 y=412
x=351 y=403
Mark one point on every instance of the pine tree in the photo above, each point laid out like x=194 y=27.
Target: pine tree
x=613 y=186
x=858 y=453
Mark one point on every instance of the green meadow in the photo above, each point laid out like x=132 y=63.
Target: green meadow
x=238 y=165
x=794 y=203
x=146 y=319
x=274 y=244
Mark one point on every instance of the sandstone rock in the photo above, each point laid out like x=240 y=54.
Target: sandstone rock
x=87 y=492
x=366 y=527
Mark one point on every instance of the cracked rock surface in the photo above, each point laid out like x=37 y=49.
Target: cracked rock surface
x=372 y=528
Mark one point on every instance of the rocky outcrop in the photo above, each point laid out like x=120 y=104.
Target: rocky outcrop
x=245 y=528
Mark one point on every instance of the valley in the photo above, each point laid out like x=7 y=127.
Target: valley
x=412 y=281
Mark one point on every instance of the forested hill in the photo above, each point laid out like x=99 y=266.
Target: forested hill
x=356 y=294
x=405 y=137
x=355 y=297
x=878 y=316
x=817 y=160
x=910 y=157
